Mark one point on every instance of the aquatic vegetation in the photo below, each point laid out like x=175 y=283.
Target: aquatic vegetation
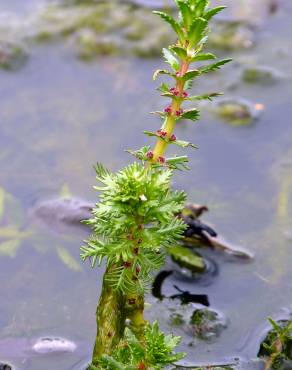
x=232 y=35
x=276 y=348
x=260 y=75
x=12 y=55
x=137 y=217
x=207 y=324
x=238 y=112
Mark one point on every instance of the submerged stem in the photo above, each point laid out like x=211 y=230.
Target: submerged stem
x=110 y=319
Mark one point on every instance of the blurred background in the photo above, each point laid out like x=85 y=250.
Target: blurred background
x=76 y=88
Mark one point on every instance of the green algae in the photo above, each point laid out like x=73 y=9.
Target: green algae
x=187 y=258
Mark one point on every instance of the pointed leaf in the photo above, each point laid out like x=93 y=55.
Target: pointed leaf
x=183 y=144
x=164 y=88
x=171 y=59
x=202 y=57
x=204 y=96
x=191 y=74
x=174 y=24
x=200 y=7
x=212 y=12
x=213 y=67
x=185 y=12
x=192 y=114
x=161 y=72
x=197 y=31
x=180 y=52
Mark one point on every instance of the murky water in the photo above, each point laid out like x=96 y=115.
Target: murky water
x=58 y=116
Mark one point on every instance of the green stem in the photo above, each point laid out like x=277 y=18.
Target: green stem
x=169 y=125
x=110 y=319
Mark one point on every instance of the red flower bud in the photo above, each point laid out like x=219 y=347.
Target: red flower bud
x=172 y=138
x=185 y=94
x=127 y=264
x=179 y=112
x=149 y=155
x=167 y=110
x=141 y=366
x=161 y=159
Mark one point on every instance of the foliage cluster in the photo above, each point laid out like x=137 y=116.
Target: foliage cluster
x=132 y=355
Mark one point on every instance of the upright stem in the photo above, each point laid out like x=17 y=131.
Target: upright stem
x=170 y=122
x=110 y=319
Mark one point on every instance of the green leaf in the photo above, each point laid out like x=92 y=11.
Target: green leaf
x=183 y=144
x=10 y=247
x=161 y=72
x=215 y=66
x=164 y=88
x=171 y=59
x=178 y=163
x=174 y=24
x=209 y=96
x=212 y=12
x=197 y=31
x=202 y=57
x=200 y=7
x=185 y=12
x=186 y=258
x=191 y=74
x=68 y=259
x=192 y=114
x=180 y=51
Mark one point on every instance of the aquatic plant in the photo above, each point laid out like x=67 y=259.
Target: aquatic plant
x=137 y=218
x=276 y=348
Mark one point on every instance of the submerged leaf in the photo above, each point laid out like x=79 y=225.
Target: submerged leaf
x=10 y=247
x=68 y=259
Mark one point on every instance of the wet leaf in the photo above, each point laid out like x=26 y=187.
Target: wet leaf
x=12 y=232
x=68 y=259
x=185 y=257
x=10 y=247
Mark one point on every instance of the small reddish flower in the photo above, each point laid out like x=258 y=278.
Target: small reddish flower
x=138 y=270
x=140 y=227
x=136 y=251
x=127 y=264
x=172 y=138
x=141 y=366
x=185 y=94
x=161 y=159
x=149 y=154
x=179 y=112
x=167 y=110
x=161 y=133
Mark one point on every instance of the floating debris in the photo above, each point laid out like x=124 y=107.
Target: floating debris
x=207 y=324
x=12 y=56
x=260 y=75
x=238 y=112
x=187 y=258
x=232 y=35
x=53 y=345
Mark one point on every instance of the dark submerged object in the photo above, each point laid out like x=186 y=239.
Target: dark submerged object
x=5 y=366
x=184 y=296
x=187 y=297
